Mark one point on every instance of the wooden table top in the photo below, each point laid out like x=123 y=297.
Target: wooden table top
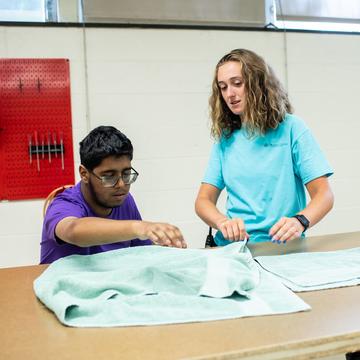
x=28 y=330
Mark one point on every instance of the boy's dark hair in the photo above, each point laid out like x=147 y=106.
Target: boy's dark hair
x=102 y=142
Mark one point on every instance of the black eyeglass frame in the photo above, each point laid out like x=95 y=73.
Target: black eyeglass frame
x=134 y=175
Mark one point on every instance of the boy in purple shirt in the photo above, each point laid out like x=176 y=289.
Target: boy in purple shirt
x=99 y=214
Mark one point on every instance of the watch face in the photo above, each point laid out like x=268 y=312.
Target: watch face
x=303 y=220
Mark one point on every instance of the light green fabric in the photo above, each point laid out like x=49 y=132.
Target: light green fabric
x=157 y=285
x=315 y=270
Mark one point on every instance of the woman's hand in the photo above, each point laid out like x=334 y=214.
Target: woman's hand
x=286 y=229
x=232 y=229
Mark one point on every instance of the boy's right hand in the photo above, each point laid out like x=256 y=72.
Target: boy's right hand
x=162 y=234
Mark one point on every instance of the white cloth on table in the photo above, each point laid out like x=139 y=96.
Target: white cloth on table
x=310 y=271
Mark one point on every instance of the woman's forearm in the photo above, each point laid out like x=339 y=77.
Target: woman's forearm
x=322 y=200
x=208 y=212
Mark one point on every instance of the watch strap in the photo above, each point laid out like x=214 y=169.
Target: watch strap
x=303 y=221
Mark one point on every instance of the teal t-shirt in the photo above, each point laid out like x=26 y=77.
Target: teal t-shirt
x=265 y=176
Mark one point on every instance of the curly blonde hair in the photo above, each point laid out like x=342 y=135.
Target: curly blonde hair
x=266 y=100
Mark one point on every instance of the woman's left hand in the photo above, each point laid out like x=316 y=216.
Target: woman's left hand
x=286 y=229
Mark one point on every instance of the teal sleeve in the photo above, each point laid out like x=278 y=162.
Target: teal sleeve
x=309 y=160
x=213 y=174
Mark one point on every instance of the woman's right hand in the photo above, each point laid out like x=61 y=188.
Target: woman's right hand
x=232 y=229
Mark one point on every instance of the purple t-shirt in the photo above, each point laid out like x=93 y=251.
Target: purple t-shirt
x=72 y=203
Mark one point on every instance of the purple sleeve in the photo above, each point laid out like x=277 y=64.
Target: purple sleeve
x=137 y=216
x=59 y=209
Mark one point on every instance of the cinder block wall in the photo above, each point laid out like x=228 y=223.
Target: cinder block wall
x=154 y=86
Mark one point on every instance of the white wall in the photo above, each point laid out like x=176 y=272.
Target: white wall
x=154 y=85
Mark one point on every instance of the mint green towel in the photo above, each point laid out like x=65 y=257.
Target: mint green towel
x=315 y=270
x=158 y=285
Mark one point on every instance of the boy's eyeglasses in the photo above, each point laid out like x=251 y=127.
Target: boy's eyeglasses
x=127 y=176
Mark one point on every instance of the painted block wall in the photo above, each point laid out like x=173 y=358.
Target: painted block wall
x=154 y=84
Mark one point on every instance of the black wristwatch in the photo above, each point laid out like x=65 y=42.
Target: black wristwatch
x=303 y=221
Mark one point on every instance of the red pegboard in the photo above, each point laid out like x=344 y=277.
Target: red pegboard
x=36 y=150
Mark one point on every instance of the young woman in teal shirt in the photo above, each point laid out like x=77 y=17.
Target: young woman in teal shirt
x=264 y=156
